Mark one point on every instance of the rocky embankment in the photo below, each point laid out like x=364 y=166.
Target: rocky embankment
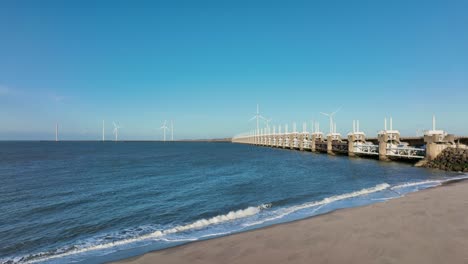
x=451 y=159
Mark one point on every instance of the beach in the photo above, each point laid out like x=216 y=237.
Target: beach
x=429 y=226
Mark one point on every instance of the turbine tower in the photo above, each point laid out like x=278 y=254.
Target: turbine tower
x=258 y=117
x=103 y=131
x=116 y=131
x=56 y=132
x=164 y=128
x=330 y=116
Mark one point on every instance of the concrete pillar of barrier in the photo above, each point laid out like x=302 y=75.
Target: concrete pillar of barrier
x=313 y=138
x=436 y=142
x=383 y=146
x=301 y=141
x=330 y=145
x=433 y=150
x=291 y=140
x=351 y=141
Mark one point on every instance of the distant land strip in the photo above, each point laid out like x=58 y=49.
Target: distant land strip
x=130 y=140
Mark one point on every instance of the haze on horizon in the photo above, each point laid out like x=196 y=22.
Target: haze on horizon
x=206 y=65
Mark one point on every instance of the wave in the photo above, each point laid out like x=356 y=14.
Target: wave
x=430 y=183
x=325 y=201
x=457 y=178
x=412 y=184
x=158 y=235
x=233 y=215
x=161 y=234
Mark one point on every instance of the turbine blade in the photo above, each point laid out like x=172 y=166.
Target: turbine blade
x=252 y=118
x=337 y=110
x=325 y=114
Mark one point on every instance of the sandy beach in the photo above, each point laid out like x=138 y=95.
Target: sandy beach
x=429 y=226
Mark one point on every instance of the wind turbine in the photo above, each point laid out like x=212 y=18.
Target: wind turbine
x=330 y=116
x=103 y=130
x=164 y=128
x=116 y=131
x=258 y=117
x=56 y=132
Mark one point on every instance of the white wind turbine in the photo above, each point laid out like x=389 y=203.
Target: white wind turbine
x=116 y=131
x=330 y=116
x=258 y=117
x=164 y=128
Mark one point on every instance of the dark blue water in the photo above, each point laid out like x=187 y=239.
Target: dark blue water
x=64 y=202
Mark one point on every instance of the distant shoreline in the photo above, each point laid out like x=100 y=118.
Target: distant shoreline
x=167 y=141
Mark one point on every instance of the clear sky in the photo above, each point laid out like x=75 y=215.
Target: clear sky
x=206 y=64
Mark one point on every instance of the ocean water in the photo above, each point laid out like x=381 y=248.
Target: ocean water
x=93 y=202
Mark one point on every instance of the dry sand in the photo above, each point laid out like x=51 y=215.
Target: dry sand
x=429 y=226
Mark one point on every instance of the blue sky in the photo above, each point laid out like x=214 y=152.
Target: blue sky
x=206 y=64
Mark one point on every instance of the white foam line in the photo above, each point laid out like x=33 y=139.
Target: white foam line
x=233 y=215
x=383 y=199
x=411 y=184
x=328 y=200
x=436 y=182
x=464 y=177
x=179 y=240
x=219 y=234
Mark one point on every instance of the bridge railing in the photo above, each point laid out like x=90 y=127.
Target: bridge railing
x=406 y=152
x=366 y=149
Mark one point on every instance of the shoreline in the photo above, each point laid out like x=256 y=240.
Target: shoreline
x=409 y=229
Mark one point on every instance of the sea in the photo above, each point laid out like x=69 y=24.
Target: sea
x=95 y=202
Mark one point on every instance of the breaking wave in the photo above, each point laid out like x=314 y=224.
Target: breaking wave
x=156 y=235
x=250 y=216
x=429 y=183
x=325 y=201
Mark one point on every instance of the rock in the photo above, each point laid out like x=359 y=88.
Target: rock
x=452 y=159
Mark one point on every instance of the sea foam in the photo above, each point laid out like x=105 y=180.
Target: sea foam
x=156 y=235
x=289 y=210
x=162 y=234
x=199 y=224
x=429 y=183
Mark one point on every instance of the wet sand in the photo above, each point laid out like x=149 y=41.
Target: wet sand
x=429 y=226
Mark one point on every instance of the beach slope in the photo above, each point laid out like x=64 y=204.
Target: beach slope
x=429 y=226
